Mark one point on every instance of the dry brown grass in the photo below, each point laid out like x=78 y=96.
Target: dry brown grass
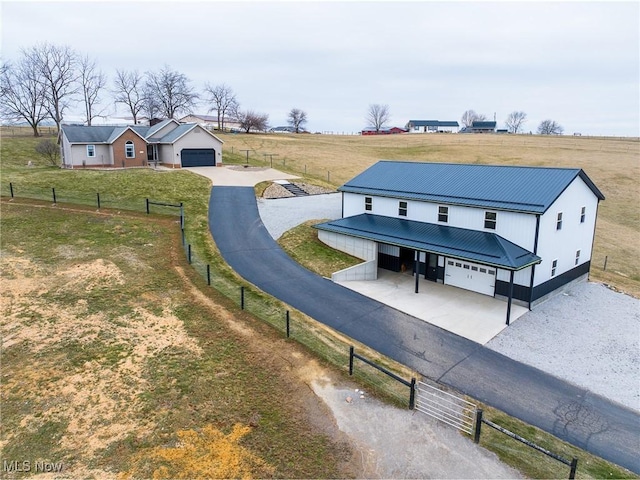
x=612 y=163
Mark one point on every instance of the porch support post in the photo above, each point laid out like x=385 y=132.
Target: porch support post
x=417 y=269
x=510 y=297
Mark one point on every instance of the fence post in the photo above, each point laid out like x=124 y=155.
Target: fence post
x=328 y=175
x=476 y=436
x=208 y=274
x=53 y=190
x=98 y=197
x=574 y=467
x=184 y=239
x=147 y=205
x=242 y=298
x=189 y=254
x=11 y=188
x=605 y=263
x=351 y=360
x=287 y=323
x=412 y=394
x=181 y=216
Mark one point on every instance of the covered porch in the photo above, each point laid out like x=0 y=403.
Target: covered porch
x=463 y=312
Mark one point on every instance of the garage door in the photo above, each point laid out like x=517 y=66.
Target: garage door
x=470 y=276
x=198 y=157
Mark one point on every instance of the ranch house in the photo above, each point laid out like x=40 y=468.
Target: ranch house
x=432 y=126
x=519 y=234
x=169 y=143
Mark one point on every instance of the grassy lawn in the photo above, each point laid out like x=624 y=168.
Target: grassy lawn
x=108 y=353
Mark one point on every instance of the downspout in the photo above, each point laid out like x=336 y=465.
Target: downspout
x=342 y=200
x=533 y=267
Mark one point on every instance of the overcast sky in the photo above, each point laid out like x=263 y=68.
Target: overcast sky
x=577 y=63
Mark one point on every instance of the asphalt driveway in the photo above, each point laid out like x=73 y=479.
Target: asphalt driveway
x=569 y=412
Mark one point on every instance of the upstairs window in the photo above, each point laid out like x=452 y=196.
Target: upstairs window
x=490 y=219
x=91 y=150
x=402 y=209
x=554 y=267
x=583 y=214
x=368 y=203
x=443 y=214
x=559 y=221
x=577 y=257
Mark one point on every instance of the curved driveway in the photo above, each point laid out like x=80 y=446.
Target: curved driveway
x=569 y=412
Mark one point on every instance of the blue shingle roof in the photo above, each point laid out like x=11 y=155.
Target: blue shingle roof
x=472 y=245
x=499 y=187
x=82 y=134
x=177 y=132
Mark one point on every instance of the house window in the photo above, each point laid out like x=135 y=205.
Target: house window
x=583 y=214
x=554 y=266
x=490 y=220
x=368 y=203
x=577 y=257
x=559 y=221
x=91 y=150
x=443 y=214
x=129 y=150
x=402 y=209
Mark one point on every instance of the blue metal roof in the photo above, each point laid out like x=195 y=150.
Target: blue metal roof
x=497 y=187
x=472 y=245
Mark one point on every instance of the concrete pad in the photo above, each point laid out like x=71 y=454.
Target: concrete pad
x=238 y=175
x=468 y=314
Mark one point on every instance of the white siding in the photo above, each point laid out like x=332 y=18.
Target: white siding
x=521 y=277
x=104 y=155
x=563 y=244
x=167 y=156
x=518 y=228
x=363 y=271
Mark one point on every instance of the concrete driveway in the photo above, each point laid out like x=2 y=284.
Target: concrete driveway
x=238 y=175
x=468 y=314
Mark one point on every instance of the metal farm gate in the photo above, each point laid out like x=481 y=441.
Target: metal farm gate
x=448 y=408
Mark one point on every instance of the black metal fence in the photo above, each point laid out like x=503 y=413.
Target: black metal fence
x=572 y=464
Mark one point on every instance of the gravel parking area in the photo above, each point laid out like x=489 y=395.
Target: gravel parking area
x=589 y=336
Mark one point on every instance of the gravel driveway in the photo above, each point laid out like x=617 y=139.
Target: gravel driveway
x=589 y=337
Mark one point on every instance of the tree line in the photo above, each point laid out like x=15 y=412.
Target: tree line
x=47 y=80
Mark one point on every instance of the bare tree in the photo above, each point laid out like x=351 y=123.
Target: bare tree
x=251 y=120
x=550 y=127
x=471 y=116
x=170 y=90
x=151 y=106
x=223 y=100
x=49 y=150
x=297 y=118
x=378 y=115
x=92 y=81
x=515 y=120
x=22 y=93
x=57 y=67
x=129 y=90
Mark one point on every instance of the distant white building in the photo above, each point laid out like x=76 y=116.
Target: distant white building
x=432 y=126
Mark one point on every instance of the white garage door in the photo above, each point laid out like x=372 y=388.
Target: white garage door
x=470 y=276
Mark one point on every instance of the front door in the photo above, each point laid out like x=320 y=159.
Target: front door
x=432 y=267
